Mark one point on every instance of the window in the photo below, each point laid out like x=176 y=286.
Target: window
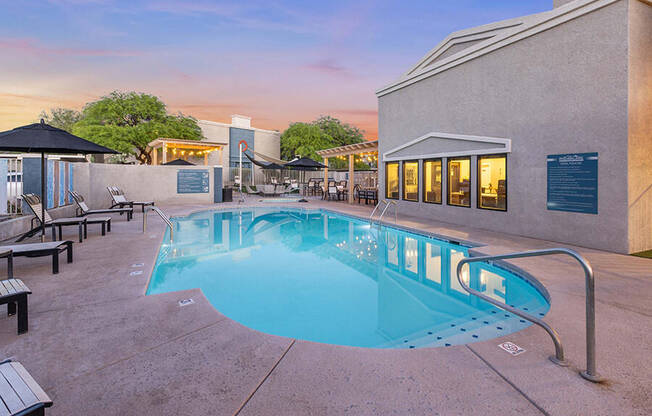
x=432 y=181
x=459 y=182
x=391 y=180
x=492 y=183
x=411 y=181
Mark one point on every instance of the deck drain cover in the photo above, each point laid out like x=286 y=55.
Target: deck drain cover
x=511 y=348
x=186 y=302
x=138 y=265
x=136 y=273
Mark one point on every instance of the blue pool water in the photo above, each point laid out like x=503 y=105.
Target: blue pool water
x=319 y=276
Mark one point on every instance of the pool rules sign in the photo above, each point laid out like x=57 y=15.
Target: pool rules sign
x=573 y=182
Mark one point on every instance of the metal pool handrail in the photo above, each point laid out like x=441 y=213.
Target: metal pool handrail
x=591 y=372
x=164 y=217
x=387 y=205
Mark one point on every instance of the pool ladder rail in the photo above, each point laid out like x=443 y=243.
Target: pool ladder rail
x=164 y=217
x=387 y=205
x=590 y=373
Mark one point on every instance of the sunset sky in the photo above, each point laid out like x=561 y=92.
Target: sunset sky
x=276 y=61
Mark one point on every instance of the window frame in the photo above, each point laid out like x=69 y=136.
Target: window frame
x=443 y=175
x=398 y=164
x=479 y=182
x=403 y=198
x=448 y=187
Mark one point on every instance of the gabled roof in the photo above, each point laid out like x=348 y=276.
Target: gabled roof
x=465 y=45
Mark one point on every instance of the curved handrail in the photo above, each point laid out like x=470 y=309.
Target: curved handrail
x=591 y=372
x=390 y=203
x=387 y=204
x=382 y=201
x=164 y=217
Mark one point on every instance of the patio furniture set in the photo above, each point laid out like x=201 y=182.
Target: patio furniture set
x=19 y=393
x=339 y=191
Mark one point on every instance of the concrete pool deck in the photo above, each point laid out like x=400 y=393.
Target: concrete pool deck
x=98 y=345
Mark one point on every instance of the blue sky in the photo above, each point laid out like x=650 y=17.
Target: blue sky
x=277 y=61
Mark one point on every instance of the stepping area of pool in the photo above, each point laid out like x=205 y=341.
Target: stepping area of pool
x=98 y=345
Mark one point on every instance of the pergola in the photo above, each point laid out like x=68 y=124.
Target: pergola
x=369 y=149
x=181 y=148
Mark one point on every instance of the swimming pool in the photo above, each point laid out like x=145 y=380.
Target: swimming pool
x=320 y=276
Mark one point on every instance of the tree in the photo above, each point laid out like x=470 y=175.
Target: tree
x=129 y=121
x=326 y=132
x=62 y=118
x=303 y=139
x=341 y=133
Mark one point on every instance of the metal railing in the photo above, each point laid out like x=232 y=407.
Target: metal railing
x=14 y=187
x=387 y=205
x=591 y=372
x=164 y=217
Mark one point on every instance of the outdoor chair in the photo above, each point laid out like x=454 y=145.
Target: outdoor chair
x=333 y=193
x=82 y=208
x=311 y=188
x=34 y=203
x=319 y=188
x=280 y=190
x=251 y=191
x=357 y=189
x=19 y=392
x=268 y=190
x=121 y=201
x=49 y=248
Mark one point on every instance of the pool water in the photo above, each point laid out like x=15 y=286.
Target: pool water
x=319 y=276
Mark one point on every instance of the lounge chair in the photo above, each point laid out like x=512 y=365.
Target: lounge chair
x=19 y=392
x=13 y=293
x=82 y=208
x=121 y=201
x=251 y=191
x=269 y=190
x=34 y=202
x=50 y=248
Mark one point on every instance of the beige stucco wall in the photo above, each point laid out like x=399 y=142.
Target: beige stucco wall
x=563 y=90
x=139 y=182
x=640 y=126
x=266 y=141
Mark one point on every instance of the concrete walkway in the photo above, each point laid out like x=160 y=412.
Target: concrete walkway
x=99 y=346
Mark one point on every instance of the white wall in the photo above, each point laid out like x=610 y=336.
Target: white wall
x=139 y=182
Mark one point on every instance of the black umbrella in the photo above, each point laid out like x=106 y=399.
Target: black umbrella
x=179 y=162
x=304 y=163
x=43 y=138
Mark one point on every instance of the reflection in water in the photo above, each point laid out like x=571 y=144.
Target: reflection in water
x=328 y=278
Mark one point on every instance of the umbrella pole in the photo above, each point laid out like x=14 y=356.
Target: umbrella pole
x=42 y=197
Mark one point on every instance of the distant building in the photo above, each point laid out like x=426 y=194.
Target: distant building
x=538 y=126
x=220 y=147
x=267 y=142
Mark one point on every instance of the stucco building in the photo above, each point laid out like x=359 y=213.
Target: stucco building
x=538 y=126
x=220 y=147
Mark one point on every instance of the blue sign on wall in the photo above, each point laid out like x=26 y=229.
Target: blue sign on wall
x=573 y=182
x=190 y=181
